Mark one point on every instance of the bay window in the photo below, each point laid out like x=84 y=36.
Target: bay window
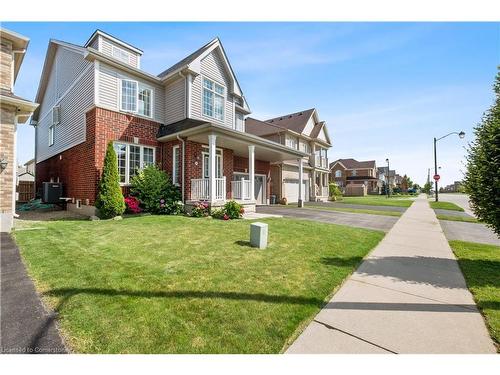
x=213 y=99
x=132 y=158
x=136 y=98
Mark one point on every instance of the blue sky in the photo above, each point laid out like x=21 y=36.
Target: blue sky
x=384 y=89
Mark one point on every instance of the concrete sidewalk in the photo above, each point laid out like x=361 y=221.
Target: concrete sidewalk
x=408 y=296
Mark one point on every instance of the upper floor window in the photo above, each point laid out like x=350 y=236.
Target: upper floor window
x=338 y=173
x=51 y=134
x=304 y=147
x=137 y=98
x=213 y=99
x=240 y=122
x=120 y=54
x=291 y=142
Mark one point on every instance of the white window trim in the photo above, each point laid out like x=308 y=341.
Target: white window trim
x=127 y=158
x=203 y=77
x=52 y=130
x=138 y=83
x=203 y=153
x=114 y=48
x=174 y=170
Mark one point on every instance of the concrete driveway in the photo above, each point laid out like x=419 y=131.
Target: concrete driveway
x=377 y=222
x=461 y=200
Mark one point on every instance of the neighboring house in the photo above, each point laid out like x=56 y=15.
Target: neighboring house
x=301 y=131
x=382 y=176
x=189 y=120
x=14 y=111
x=351 y=171
x=26 y=172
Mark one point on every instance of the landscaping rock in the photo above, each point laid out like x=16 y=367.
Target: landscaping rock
x=118 y=218
x=93 y=218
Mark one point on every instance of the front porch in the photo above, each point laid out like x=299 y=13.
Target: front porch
x=215 y=164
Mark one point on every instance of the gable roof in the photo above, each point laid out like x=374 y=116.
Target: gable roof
x=184 y=63
x=294 y=121
x=261 y=128
x=113 y=39
x=354 y=164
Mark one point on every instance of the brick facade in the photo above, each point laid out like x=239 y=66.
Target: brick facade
x=79 y=168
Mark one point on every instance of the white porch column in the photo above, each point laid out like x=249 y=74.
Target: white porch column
x=301 y=178
x=211 y=167
x=251 y=170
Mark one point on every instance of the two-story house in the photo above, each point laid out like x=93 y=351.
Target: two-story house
x=351 y=171
x=387 y=177
x=14 y=110
x=189 y=120
x=301 y=131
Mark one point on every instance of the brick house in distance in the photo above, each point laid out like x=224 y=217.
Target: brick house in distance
x=14 y=111
x=189 y=120
x=350 y=171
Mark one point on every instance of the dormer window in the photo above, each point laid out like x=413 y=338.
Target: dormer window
x=213 y=99
x=120 y=54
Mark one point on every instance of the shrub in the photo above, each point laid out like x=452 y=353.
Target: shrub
x=151 y=185
x=334 y=191
x=234 y=210
x=132 y=204
x=109 y=200
x=482 y=179
x=231 y=210
x=200 y=209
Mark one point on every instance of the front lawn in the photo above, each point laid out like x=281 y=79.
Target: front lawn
x=166 y=284
x=445 y=206
x=352 y=210
x=378 y=200
x=467 y=219
x=480 y=265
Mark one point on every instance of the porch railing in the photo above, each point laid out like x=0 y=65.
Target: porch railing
x=200 y=189
x=324 y=191
x=241 y=189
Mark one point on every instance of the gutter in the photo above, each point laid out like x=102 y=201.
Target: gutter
x=182 y=165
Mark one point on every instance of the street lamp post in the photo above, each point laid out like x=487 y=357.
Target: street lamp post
x=388 y=187
x=461 y=135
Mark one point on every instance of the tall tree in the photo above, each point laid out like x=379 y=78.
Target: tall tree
x=110 y=202
x=482 y=179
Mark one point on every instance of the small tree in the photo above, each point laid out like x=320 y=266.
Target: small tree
x=427 y=188
x=110 y=201
x=482 y=179
x=334 y=191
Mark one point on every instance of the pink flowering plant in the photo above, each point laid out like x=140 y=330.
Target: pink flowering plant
x=200 y=209
x=132 y=204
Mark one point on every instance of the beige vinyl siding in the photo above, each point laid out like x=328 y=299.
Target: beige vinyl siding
x=107 y=48
x=95 y=43
x=309 y=126
x=109 y=91
x=175 y=101
x=66 y=67
x=71 y=129
x=212 y=67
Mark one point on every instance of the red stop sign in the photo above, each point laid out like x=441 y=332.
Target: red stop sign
x=437 y=177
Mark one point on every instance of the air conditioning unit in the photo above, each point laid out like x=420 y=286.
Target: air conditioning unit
x=56 y=115
x=51 y=192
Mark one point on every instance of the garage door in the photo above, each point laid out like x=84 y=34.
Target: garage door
x=291 y=188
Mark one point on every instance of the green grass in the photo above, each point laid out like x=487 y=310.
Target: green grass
x=353 y=210
x=445 y=206
x=163 y=284
x=467 y=219
x=378 y=200
x=480 y=265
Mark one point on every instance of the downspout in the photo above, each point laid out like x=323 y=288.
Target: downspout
x=182 y=165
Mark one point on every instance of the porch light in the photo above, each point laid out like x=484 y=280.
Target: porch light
x=3 y=163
